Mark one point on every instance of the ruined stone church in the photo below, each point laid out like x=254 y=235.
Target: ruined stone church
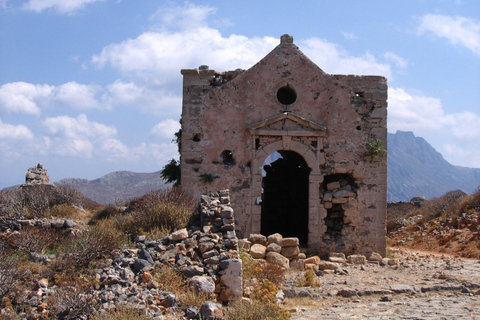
x=302 y=151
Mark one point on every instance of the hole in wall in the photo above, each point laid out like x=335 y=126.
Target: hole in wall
x=197 y=137
x=286 y=95
x=359 y=128
x=227 y=158
x=359 y=94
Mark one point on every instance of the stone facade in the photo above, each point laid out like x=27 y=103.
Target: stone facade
x=295 y=147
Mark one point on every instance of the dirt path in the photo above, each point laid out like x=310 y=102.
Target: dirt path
x=422 y=285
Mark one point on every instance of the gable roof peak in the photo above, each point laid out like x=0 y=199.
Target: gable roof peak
x=286 y=38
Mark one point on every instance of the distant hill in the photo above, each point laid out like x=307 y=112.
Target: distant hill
x=415 y=168
x=118 y=185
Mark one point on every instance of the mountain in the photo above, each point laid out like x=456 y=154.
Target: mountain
x=116 y=186
x=416 y=169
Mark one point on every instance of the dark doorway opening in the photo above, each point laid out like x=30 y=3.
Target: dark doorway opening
x=285 y=197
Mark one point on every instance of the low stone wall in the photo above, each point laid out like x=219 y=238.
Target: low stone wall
x=207 y=254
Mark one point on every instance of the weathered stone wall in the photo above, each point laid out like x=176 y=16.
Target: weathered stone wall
x=232 y=121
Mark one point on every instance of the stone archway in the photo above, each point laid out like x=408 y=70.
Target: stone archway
x=285 y=197
x=315 y=214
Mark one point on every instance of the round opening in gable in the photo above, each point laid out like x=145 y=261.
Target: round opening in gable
x=286 y=95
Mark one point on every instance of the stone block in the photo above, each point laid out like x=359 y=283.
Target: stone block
x=274 y=238
x=256 y=238
x=314 y=260
x=297 y=264
x=357 y=259
x=290 y=252
x=258 y=251
x=274 y=247
x=290 y=242
x=327 y=265
x=278 y=259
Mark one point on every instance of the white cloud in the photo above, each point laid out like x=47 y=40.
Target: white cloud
x=17 y=132
x=349 y=35
x=76 y=96
x=149 y=97
x=189 y=16
x=414 y=112
x=399 y=61
x=165 y=129
x=455 y=135
x=80 y=127
x=458 y=30
x=333 y=59
x=61 y=6
x=22 y=97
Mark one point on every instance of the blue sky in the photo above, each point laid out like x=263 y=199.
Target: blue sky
x=93 y=86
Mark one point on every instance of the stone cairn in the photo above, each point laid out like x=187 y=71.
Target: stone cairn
x=37 y=176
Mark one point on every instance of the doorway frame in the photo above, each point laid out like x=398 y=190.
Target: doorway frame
x=316 y=212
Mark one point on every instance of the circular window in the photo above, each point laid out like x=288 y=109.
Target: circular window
x=286 y=95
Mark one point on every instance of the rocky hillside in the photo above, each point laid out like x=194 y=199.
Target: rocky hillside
x=415 y=168
x=116 y=186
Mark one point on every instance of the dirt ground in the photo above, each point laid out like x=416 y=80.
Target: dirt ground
x=421 y=285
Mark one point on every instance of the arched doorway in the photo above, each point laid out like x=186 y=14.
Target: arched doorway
x=285 y=195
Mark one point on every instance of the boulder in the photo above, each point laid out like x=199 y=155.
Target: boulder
x=357 y=259
x=290 y=252
x=375 y=257
x=278 y=259
x=327 y=265
x=178 y=235
x=274 y=238
x=256 y=238
x=290 y=242
x=201 y=284
x=314 y=260
x=211 y=310
x=274 y=247
x=258 y=251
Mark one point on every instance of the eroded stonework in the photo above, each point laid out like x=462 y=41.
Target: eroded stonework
x=294 y=146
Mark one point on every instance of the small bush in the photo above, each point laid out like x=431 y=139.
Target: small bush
x=104 y=212
x=194 y=299
x=34 y=239
x=170 y=279
x=72 y=303
x=308 y=279
x=63 y=211
x=260 y=269
x=255 y=310
x=8 y=272
x=122 y=313
x=88 y=246
x=170 y=208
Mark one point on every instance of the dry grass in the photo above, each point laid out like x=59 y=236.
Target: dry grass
x=255 y=310
x=170 y=279
x=308 y=279
x=122 y=313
